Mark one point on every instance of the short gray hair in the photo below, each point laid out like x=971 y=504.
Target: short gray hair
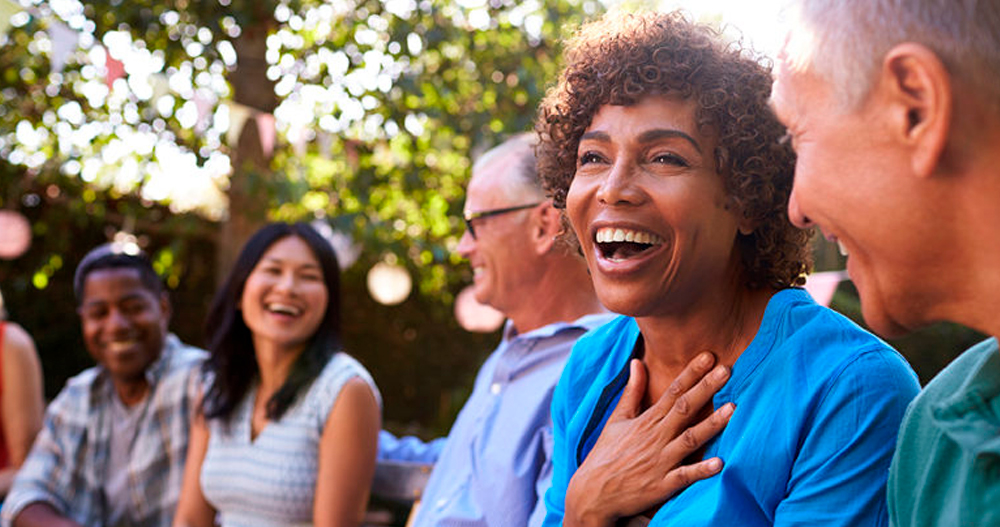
x=844 y=41
x=527 y=166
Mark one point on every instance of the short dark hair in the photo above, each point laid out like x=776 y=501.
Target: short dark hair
x=111 y=256
x=232 y=365
x=621 y=59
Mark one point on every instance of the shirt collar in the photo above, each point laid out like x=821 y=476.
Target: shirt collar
x=586 y=322
x=156 y=369
x=971 y=415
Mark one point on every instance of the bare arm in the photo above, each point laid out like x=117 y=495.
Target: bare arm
x=193 y=510
x=637 y=461
x=21 y=405
x=347 y=457
x=42 y=514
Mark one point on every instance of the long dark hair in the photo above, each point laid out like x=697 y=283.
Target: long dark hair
x=232 y=363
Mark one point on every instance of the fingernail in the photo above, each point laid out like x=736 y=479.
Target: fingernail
x=705 y=359
x=728 y=409
x=721 y=372
x=715 y=464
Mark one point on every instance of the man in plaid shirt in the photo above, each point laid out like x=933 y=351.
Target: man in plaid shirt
x=112 y=449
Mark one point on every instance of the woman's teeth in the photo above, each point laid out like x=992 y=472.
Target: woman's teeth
x=284 y=309
x=611 y=234
x=618 y=244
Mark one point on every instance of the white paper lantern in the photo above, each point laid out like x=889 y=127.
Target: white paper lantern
x=15 y=234
x=476 y=317
x=389 y=284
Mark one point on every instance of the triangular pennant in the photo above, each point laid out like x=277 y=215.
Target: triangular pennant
x=824 y=284
x=64 y=43
x=238 y=116
x=114 y=69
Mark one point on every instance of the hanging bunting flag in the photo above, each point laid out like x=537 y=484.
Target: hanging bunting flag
x=238 y=116
x=265 y=128
x=823 y=285
x=114 y=69
x=64 y=43
x=204 y=100
x=160 y=85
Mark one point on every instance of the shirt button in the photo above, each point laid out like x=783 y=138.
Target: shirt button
x=495 y=388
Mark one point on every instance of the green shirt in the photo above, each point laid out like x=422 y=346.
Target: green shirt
x=946 y=470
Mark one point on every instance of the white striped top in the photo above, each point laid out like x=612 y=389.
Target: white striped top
x=271 y=480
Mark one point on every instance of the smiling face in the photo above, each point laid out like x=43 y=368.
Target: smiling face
x=650 y=210
x=853 y=180
x=124 y=323
x=285 y=298
x=503 y=259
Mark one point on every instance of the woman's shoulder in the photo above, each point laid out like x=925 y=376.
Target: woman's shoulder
x=802 y=319
x=598 y=356
x=17 y=345
x=604 y=343
x=338 y=371
x=829 y=342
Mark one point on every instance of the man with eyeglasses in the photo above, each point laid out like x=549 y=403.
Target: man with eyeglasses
x=495 y=465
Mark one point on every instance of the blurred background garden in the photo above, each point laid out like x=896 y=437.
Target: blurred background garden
x=180 y=126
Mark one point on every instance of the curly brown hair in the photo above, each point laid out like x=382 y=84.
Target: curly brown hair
x=621 y=59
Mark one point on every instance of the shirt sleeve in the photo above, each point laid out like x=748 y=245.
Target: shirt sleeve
x=544 y=480
x=409 y=448
x=45 y=472
x=839 y=477
x=555 y=496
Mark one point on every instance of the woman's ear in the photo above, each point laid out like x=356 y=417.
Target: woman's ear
x=744 y=225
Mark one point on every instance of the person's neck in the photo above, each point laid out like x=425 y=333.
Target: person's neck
x=564 y=293
x=131 y=392
x=971 y=177
x=724 y=328
x=274 y=363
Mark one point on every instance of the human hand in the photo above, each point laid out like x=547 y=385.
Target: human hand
x=637 y=460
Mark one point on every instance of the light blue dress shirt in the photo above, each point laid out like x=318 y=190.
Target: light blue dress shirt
x=495 y=465
x=818 y=405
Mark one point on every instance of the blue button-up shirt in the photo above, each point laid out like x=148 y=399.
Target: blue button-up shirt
x=495 y=465
x=818 y=404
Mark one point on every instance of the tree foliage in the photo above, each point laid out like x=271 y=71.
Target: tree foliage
x=379 y=107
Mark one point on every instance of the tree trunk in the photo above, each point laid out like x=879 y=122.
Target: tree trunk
x=252 y=175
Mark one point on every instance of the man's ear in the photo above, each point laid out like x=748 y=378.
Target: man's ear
x=919 y=91
x=546 y=228
x=165 y=308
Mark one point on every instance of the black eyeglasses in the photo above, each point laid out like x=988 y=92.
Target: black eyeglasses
x=469 y=216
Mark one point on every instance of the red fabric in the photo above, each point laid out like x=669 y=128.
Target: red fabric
x=4 y=455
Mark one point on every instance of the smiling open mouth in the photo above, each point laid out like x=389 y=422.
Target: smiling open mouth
x=621 y=244
x=283 y=309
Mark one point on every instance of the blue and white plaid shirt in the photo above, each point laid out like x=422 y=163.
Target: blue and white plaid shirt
x=67 y=464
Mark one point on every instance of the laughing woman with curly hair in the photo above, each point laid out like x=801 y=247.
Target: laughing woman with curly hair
x=659 y=143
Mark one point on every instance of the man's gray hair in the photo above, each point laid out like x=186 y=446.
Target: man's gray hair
x=526 y=167
x=844 y=41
